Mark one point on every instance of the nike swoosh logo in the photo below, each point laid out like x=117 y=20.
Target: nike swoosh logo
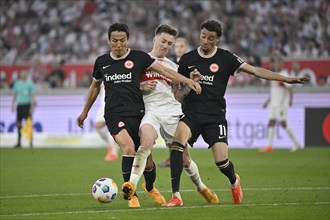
x=189 y=67
x=106 y=66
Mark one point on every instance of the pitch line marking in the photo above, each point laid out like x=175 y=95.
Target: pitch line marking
x=187 y=190
x=163 y=208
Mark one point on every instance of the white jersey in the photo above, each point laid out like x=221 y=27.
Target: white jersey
x=100 y=111
x=161 y=100
x=279 y=94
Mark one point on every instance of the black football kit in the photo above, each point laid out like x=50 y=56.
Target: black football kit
x=205 y=113
x=124 y=106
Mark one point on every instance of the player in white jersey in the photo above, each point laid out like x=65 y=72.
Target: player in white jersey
x=281 y=97
x=101 y=129
x=181 y=46
x=162 y=113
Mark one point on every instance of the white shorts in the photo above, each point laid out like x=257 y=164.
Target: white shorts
x=165 y=125
x=100 y=112
x=278 y=113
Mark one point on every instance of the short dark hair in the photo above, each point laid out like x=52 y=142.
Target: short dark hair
x=212 y=25
x=118 y=27
x=166 y=28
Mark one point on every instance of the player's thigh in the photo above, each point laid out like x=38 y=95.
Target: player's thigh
x=272 y=115
x=150 y=119
x=23 y=112
x=282 y=113
x=148 y=131
x=168 y=126
x=130 y=125
x=215 y=130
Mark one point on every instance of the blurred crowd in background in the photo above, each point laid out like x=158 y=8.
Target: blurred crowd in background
x=75 y=31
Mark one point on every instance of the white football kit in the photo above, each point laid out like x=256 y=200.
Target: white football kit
x=162 y=110
x=279 y=99
x=100 y=112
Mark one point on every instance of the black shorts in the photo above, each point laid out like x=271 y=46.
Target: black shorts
x=23 y=112
x=131 y=123
x=213 y=128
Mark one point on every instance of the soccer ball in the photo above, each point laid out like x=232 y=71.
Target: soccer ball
x=105 y=190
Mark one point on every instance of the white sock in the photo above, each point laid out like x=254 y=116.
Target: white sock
x=233 y=186
x=193 y=173
x=139 y=164
x=105 y=135
x=271 y=132
x=177 y=194
x=291 y=135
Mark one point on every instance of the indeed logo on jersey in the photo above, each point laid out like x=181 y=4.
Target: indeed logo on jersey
x=208 y=80
x=119 y=77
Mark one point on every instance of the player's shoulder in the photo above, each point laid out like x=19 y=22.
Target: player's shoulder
x=138 y=52
x=223 y=51
x=191 y=54
x=103 y=57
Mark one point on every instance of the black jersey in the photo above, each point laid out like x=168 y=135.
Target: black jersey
x=121 y=78
x=215 y=70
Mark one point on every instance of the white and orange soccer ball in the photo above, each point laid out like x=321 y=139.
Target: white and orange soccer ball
x=105 y=190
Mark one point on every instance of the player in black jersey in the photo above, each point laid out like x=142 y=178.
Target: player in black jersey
x=120 y=70
x=205 y=114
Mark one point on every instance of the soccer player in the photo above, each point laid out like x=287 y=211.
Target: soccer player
x=100 y=125
x=162 y=114
x=281 y=97
x=120 y=71
x=205 y=114
x=24 y=99
x=180 y=47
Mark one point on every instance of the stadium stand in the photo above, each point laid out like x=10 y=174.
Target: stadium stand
x=72 y=31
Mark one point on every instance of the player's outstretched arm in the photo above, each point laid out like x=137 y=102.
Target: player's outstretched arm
x=159 y=68
x=270 y=75
x=92 y=94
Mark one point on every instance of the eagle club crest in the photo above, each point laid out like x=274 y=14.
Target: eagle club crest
x=128 y=64
x=214 y=67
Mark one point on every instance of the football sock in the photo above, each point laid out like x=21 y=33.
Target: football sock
x=177 y=194
x=103 y=134
x=291 y=135
x=271 y=132
x=227 y=168
x=126 y=167
x=19 y=136
x=150 y=177
x=139 y=164
x=193 y=173
x=176 y=169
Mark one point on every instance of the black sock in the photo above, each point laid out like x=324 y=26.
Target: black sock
x=176 y=169
x=19 y=137
x=150 y=177
x=126 y=167
x=227 y=168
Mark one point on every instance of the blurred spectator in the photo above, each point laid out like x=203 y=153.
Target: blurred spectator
x=296 y=28
x=324 y=81
x=3 y=81
x=39 y=74
x=295 y=69
x=56 y=77
x=86 y=80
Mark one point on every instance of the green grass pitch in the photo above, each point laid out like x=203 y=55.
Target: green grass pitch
x=56 y=184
